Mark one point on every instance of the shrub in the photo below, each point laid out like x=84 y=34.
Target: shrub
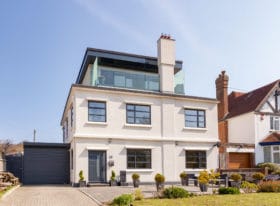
x=138 y=195
x=258 y=176
x=159 y=178
x=249 y=187
x=113 y=175
x=236 y=177
x=203 y=177
x=135 y=176
x=175 y=192
x=123 y=200
x=228 y=190
x=183 y=175
x=81 y=175
x=269 y=186
x=272 y=168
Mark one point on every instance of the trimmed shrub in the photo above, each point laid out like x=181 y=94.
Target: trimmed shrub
x=138 y=195
x=236 y=177
x=123 y=200
x=183 y=175
x=135 y=176
x=258 y=176
x=272 y=168
x=113 y=175
x=175 y=192
x=159 y=178
x=249 y=187
x=228 y=190
x=81 y=175
x=269 y=186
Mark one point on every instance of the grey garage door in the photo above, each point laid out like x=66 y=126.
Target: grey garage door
x=46 y=163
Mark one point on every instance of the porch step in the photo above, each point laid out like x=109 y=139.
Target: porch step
x=98 y=184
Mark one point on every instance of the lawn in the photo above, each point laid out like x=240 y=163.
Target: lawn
x=256 y=199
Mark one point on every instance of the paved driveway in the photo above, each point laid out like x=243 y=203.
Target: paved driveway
x=46 y=196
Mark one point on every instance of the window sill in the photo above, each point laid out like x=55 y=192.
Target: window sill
x=97 y=123
x=138 y=125
x=195 y=128
x=139 y=170
x=194 y=170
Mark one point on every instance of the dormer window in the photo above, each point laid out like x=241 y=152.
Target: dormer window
x=275 y=123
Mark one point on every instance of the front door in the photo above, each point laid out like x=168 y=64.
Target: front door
x=97 y=166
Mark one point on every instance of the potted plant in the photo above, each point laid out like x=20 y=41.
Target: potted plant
x=258 y=177
x=236 y=180
x=159 y=178
x=82 y=182
x=203 y=180
x=184 y=178
x=113 y=181
x=136 y=179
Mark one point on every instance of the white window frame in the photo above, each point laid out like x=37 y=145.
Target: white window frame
x=272 y=152
x=275 y=120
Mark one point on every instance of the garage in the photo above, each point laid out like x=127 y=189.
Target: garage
x=46 y=163
x=240 y=160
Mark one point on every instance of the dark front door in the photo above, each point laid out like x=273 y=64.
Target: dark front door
x=97 y=166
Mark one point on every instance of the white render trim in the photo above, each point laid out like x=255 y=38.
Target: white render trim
x=138 y=125
x=138 y=147
x=138 y=138
x=96 y=99
x=97 y=123
x=97 y=148
x=241 y=150
x=138 y=102
x=198 y=148
x=195 y=128
x=139 y=170
x=194 y=170
x=192 y=107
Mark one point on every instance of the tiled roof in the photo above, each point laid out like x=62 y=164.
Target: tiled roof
x=241 y=103
x=272 y=137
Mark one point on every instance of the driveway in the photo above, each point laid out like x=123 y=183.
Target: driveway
x=46 y=196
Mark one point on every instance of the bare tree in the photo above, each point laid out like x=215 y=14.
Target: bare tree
x=5 y=145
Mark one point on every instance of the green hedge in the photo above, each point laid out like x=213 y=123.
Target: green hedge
x=228 y=190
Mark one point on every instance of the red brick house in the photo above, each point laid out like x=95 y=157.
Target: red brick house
x=248 y=125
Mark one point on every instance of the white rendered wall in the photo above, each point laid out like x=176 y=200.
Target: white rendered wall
x=241 y=129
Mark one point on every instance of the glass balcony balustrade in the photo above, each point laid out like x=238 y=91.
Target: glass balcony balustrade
x=130 y=80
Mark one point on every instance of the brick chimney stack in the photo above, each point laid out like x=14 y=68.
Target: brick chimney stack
x=222 y=94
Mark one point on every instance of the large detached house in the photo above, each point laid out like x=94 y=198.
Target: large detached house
x=130 y=113
x=249 y=125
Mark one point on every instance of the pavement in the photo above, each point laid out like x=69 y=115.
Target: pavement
x=53 y=195
x=57 y=195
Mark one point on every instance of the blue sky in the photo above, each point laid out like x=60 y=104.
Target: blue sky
x=42 y=44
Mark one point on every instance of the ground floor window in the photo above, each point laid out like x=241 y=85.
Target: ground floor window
x=196 y=159
x=139 y=159
x=272 y=153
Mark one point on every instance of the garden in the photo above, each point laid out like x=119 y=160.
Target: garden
x=260 y=190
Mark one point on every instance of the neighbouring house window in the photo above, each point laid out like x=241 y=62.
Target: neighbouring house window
x=138 y=114
x=274 y=123
x=272 y=154
x=96 y=111
x=139 y=159
x=71 y=116
x=196 y=159
x=71 y=161
x=195 y=118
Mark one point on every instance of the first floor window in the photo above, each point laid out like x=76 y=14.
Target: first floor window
x=272 y=154
x=139 y=159
x=195 y=118
x=274 y=123
x=96 y=111
x=196 y=159
x=138 y=114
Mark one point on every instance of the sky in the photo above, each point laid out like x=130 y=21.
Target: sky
x=42 y=44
